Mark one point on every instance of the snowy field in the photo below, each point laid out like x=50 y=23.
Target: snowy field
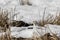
x=32 y=13
x=25 y=32
x=39 y=31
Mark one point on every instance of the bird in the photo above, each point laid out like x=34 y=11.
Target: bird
x=20 y=24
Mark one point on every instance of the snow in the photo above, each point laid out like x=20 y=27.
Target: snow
x=37 y=30
x=54 y=29
x=32 y=13
x=24 y=34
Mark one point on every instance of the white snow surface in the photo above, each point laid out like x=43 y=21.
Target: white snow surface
x=24 y=32
x=32 y=13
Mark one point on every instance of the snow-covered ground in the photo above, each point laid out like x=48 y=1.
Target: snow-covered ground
x=32 y=13
x=37 y=30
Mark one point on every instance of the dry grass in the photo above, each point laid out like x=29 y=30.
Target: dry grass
x=4 y=19
x=57 y=20
x=4 y=25
x=50 y=19
x=47 y=36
